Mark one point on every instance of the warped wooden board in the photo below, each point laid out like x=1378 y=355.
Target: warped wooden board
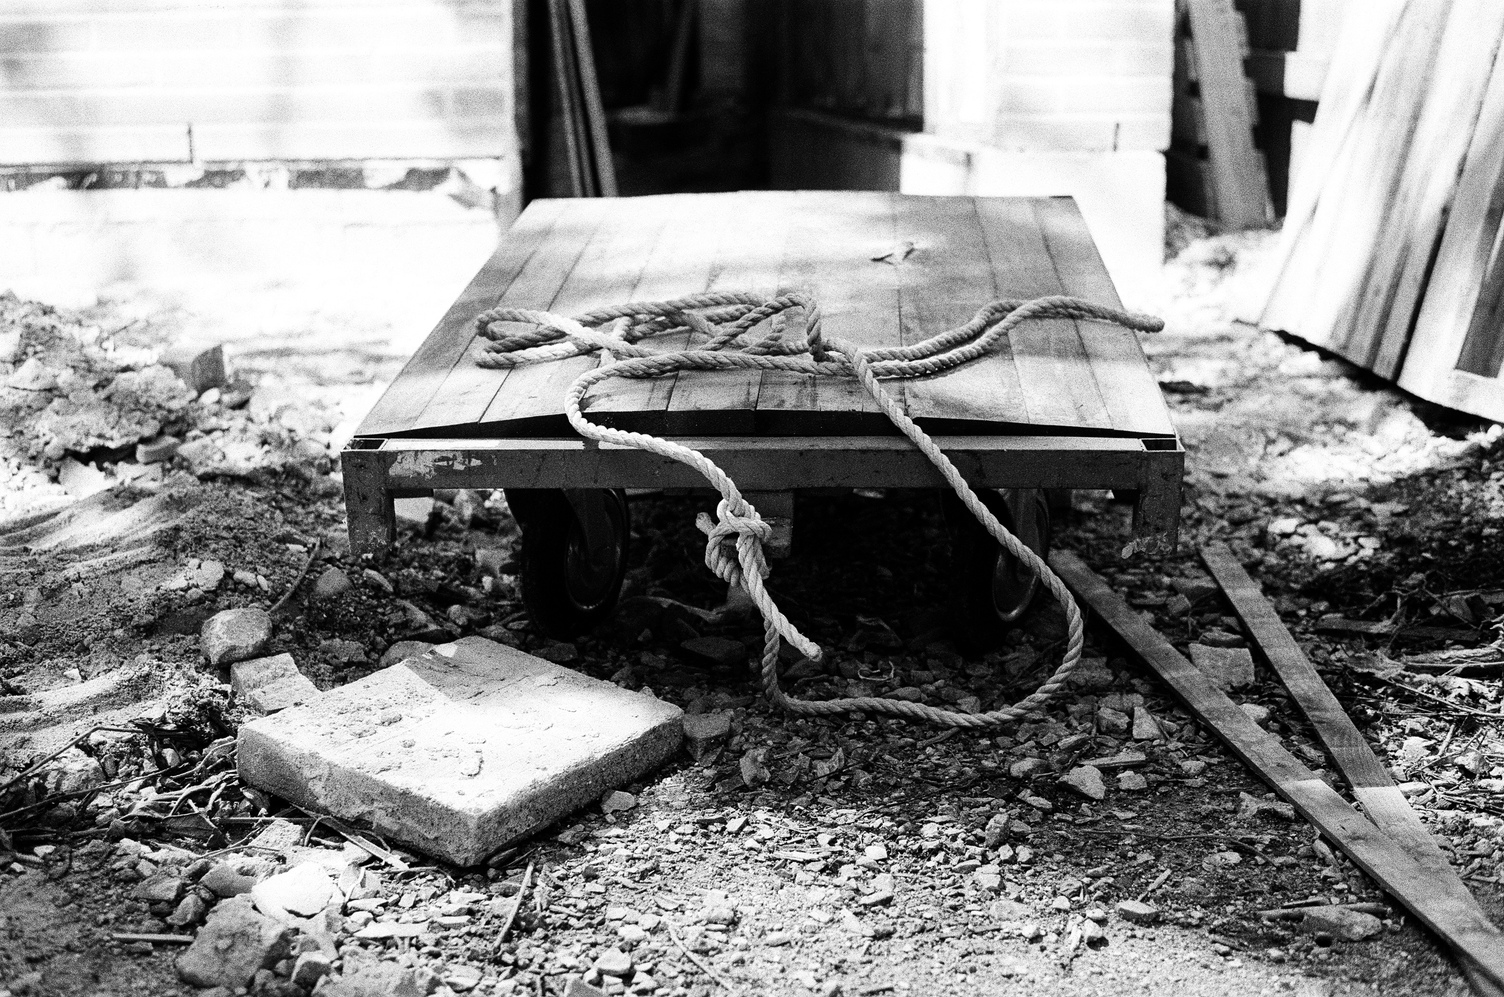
x=1459 y=923
x=574 y=255
x=1332 y=255
x=1374 y=330
x=1466 y=257
x=1345 y=94
x=1370 y=781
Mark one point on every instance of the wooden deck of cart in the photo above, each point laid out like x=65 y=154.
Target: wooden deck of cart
x=1063 y=404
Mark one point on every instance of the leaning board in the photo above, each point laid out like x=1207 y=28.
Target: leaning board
x=570 y=256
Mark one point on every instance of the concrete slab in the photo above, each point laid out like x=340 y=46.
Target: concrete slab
x=462 y=750
x=271 y=684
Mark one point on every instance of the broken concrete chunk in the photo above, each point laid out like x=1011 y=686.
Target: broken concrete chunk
x=705 y=732
x=1145 y=728
x=160 y=887
x=1340 y=922
x=1132 y=782
x=200 y=367
x=303 y=890
x=1226 y=667
x=235 y=635
x=390 y=750
x=1110 y=721
x=311 y=967
x=270 y=684
x=157 y=450
x=233 y=943
x=1138 y=912
x=82 y=480
x=402 y=650
x=617 y=801
x=1086 y=780
x=224 y=881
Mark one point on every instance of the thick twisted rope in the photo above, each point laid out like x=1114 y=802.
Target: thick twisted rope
x=734 y=539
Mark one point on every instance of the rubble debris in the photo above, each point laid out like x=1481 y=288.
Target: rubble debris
x=331 y=583
x=235 y=635
x=721 y=652
x=1086 y=780
x=1138 y=912
x=540 y=742
x=705 y=733
x=232 y=945
x=1341 y=922
x=270 y=684
x=1226 y=667
x=303 y=890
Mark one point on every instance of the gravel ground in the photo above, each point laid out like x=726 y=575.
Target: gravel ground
x=856 y=855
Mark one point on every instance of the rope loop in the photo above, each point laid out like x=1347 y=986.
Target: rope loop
x=716 y=325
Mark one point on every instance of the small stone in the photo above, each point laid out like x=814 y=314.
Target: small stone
x=190 y=910
x=1216 y=637
x=207 y=576
x=1225 y=667
x=1138 y=912
x=1258 y=714
x=160 y=887
x=235 y=635
x=1010 y=910
x=156 y=451
x=1284 y=526
x=463 y=979
x=82 y=480
x=1145 y=728
x=617 y=801
x=988 y=878
x=200 y=367
x=223 y=881
x=1132 y=782
x=705 y=732
x=232 y=945
x=311 y=967
x=376 y=580
x=346 y=651
x=332 y=583
x=996 y=831
x=613 y=962
x=200 y=453
x=270 y=684
x=1177 y=605
x=877 y=852
x=32 y=375
x=1026 y=768
x=1349 y=925
x=72 y=772
x=1092 y=675
x=1086 y=780
x=1111 y=721
x=402 y=650
x=754 y=767
x=303 y=890
x=559 y=652
x=721 y=652
x=1092 y=933
x=576 y=987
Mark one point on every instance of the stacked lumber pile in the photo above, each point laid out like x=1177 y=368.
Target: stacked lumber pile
x=1391 y=240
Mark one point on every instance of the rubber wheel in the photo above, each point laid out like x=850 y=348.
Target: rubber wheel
x=568 y=588
x=993 y=589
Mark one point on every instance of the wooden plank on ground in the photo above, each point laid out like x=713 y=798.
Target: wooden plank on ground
x=1237 y=170
x=1370 y=781
x=1130 y=392
x=1460 y=925
x=1464 y=260
x=468 y=389
x=752 y=237
x=606 y=273
x=942 y=284
x=421 y=376
x=1351 y=209
x=1406 y=247
x=1054 y=374
x=1345 y=95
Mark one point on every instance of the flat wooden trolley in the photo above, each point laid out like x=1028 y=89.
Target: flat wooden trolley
x=1063 y=404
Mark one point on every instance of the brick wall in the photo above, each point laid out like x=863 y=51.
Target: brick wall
x=1050 y=75
x=100 y=81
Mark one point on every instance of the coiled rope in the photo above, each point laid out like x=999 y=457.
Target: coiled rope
x=734 y=539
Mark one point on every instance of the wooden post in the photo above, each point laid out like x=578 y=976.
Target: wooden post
x=368 y=502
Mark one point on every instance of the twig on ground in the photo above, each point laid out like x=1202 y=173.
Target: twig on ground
x=134 y=936
x=313 y=552
x=1159 y=881
x=36 y=766
x=506 y=926
x=701 y=963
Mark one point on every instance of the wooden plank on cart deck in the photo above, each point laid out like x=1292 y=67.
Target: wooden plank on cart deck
x=780 y=392
x=1461 y=926
x=1132 y=396
x=399 y=408
x=750 y=247
x=1370 y=780
x=606 y=273
x=679 y=265
x=942 y=284
x=1054 y=373
x=469 y=389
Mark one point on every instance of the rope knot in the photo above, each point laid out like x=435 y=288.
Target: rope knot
x=723 y=537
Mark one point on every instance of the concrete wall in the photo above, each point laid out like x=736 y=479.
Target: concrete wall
x=108 y=81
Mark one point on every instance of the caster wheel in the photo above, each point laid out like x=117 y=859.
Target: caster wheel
x=995 y=589
x=574 y=556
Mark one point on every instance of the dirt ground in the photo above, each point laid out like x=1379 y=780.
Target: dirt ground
x=854 y=856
